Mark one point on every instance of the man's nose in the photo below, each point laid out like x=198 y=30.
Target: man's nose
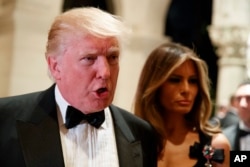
x=243 y=102
x=103 y=68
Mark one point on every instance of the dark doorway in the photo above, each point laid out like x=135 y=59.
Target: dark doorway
x=186 y=23
x=102 y=4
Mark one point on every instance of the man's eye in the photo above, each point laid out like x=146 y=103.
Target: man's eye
x=113 y=59
x=88 y=60
x=247 y=98
x=239 y=98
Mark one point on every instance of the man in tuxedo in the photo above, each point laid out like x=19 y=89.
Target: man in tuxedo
x=73 y=123
x=239 y=134
x=227 y=114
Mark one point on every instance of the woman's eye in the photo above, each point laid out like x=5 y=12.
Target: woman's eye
x=174 y=80
x=193 y=80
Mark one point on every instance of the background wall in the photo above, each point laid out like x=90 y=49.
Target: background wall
x=24 y=25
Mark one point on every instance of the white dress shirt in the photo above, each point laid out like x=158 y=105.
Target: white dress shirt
x=244 y=141
x=85 y=145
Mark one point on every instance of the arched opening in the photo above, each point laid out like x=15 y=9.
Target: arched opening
x=106 y=5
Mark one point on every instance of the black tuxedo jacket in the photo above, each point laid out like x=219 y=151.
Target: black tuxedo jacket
x=29 y=134
x=232 y=134
x=230 y=118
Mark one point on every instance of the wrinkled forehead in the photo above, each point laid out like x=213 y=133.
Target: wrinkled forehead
x=243 y=91
x=90 y=40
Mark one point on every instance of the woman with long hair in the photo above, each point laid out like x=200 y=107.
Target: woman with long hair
x=173 y=94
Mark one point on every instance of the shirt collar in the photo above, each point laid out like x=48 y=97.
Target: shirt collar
x=243 y=126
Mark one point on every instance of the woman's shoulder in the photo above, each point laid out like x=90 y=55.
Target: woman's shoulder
x=213 y=147
x=219 y=140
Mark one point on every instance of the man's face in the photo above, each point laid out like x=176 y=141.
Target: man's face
x=87 y=72
x=242 y=96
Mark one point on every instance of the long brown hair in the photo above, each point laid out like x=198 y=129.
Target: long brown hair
x=159 y=65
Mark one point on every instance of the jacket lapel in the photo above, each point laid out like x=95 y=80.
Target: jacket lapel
x=129 y=148
x=236 y=138
x=40 y=139
x=39 y=136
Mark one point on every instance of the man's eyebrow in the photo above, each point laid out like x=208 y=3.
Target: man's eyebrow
x=114 y=49
x=242 y=96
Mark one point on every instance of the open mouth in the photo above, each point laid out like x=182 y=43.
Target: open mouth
x=101 y=90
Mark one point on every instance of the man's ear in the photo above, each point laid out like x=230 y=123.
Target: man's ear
x=54 y=66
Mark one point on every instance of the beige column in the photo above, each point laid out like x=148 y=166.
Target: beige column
x=229 y=33
x=146 y=19
x=32 y=19
x=6 y=41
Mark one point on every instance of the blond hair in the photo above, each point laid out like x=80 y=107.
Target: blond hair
x=83 y=21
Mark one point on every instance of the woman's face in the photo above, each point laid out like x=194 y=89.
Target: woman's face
x=179 y=91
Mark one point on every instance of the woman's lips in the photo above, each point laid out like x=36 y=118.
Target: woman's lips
x=184 y=102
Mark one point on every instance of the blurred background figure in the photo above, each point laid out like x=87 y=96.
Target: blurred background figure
x=231 y=114
x=221 y=110
x=226 y=114
x=239 y=134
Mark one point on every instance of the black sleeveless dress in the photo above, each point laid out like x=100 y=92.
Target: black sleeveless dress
x=196 y=151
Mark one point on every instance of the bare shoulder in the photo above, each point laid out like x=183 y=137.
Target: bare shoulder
x=220 y=141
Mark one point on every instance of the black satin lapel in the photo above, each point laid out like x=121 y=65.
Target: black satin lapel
x=129 y=148
x=237 y=139
x=39 y=134
x=130 y=154
x=41 y=143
